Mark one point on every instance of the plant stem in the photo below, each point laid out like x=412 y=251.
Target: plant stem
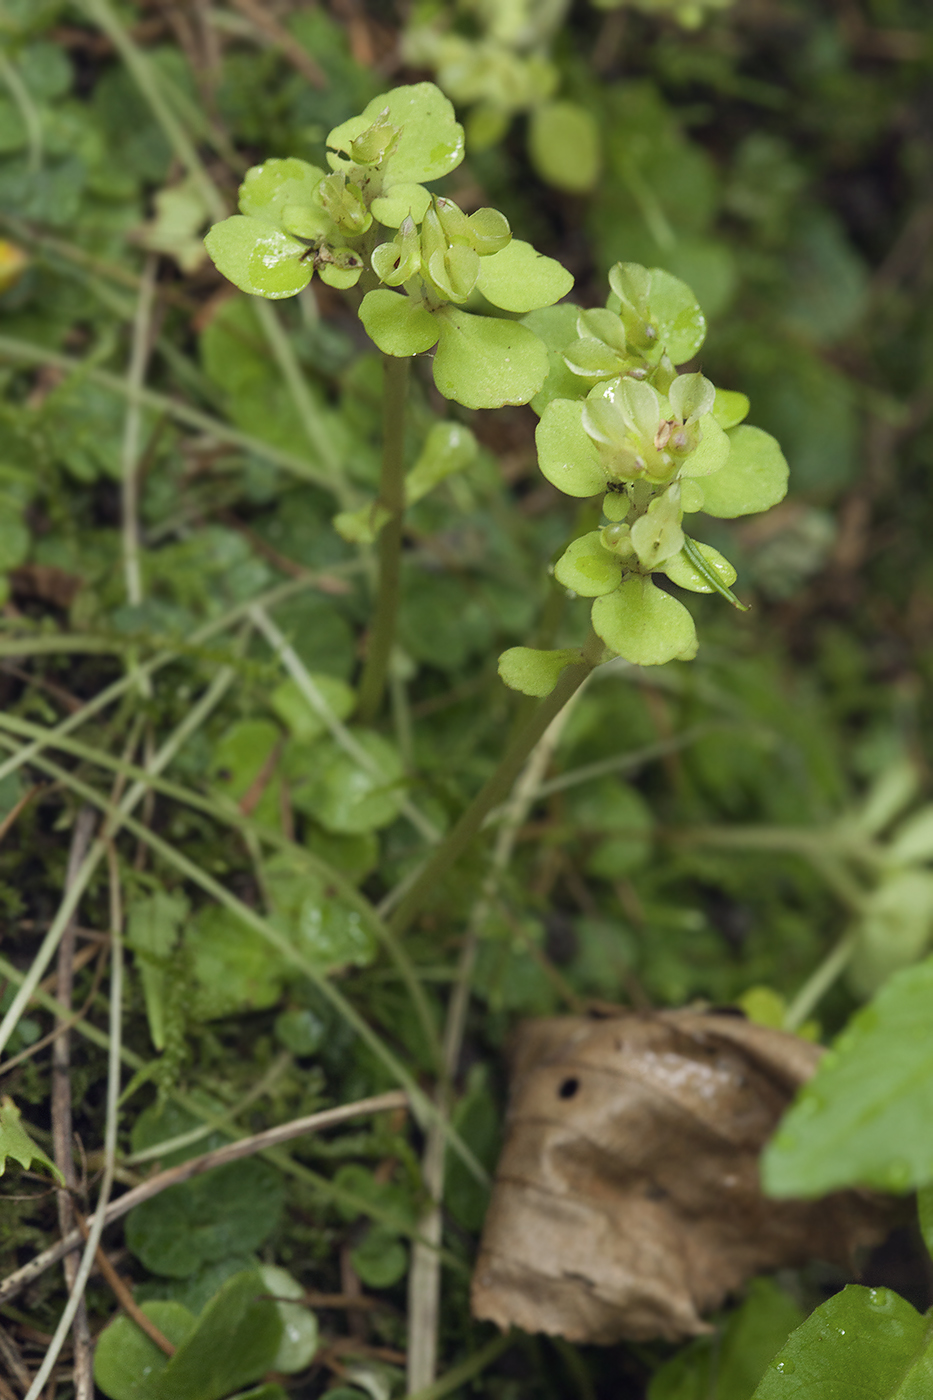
x=392 y=497
x=819 y=983
x=496 y=788
x=136 y=372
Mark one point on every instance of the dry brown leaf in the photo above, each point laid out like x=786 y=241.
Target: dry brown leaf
x=627 y=1199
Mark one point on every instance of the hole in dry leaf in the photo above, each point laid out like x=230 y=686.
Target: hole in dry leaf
x=568 y=1088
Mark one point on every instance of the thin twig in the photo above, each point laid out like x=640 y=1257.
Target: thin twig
x=9 y=1354
x=110 y=1135
x=124 y=1295
x=63 y=1146
x=11 y=816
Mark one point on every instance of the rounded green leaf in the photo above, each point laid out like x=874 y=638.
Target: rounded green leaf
x=676 y=312
x=305 y=723
x=234 y=1343
x=754 y=478
x=534 y=672
x=680 y=571
x=555 y=326
x=520 y=279
x=448 y=448
x=339 y=277
x=381 y=1259
x=482 y=362
x=268 y=188
x=346 y=796
x=895 y=929
x=563 y=142
x=730 y=407
x=567 y=455
x=228 y=1210
x=400 y=202
x=258 y=258
x=712 y=453
x=299 y=1325
x=430 y=141
x=588 y=568
x=645 y=625
x=397 y=324
x=127 y=1365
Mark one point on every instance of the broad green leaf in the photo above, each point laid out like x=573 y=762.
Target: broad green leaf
x=730 y=408
x=520 y=279
x=482 y=362
x=228 y=1210
x=304 y=722
x=729 y=1367
x=680 y=571
x=245 y=763
x=258 y=258
x=754 y=477
x=588 y=568
x=152 y=929
x=534 y=672
x=233 y=1344
x=232 y=966
x=402 y=201
x=269 y=188
x=342 y=794
x=390 y=1201
x=567 y=455
x=300 y=1031
x=712 y=454
x=430 y=142
x=644 y=624
x=381 y=1258
x=299 y=1325
x=399 y=325
x=555 y=326
x=326 y=930
x=863 y=1342
x=895 y=928
x=15 y=1142
x=563 y=142
x=127 y=1365
x=448 y=448
x=269 y=1391
x=866 y=1117
x=676 y=312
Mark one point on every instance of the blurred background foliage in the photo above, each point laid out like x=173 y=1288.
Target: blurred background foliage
x=701 y=830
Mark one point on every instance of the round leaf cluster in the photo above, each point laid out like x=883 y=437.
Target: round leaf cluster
x=659 y=445
x=296 y=220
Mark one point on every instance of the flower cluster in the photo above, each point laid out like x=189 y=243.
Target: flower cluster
x=296 y=220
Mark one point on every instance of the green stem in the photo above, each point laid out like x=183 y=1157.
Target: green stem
x=392 y=497
x=819 y=983
x=466 y=1370
x=496 y=788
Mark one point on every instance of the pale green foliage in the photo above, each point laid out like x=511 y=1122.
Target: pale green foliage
x=295 y=220
x=534 y=672
x=660 y=445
